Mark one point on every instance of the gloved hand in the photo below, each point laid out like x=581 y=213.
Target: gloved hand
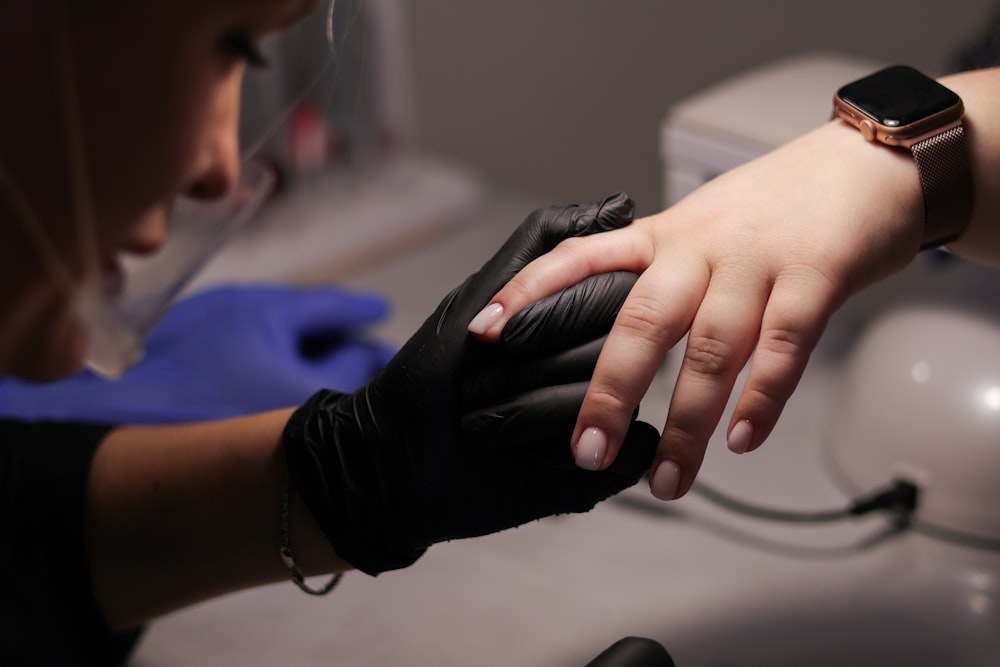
x=221 y=353
x=456 y=437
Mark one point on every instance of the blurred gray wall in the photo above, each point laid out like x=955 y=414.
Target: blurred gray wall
x=563 y=98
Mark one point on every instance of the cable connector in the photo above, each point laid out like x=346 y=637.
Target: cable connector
x=901 y=498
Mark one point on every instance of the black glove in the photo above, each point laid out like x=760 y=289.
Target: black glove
x=458 y=438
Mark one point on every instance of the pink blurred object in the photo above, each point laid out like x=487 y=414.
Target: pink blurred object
x=312 y=143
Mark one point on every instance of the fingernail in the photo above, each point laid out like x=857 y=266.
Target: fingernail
x=591 y=448
x=665 y=480
x=486 y=318
x=740 y=436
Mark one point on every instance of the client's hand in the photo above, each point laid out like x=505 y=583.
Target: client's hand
x=458 y=438
x=221 y=353
x=752 y=264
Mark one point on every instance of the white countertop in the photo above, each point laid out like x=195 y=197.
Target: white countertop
x=714 y=588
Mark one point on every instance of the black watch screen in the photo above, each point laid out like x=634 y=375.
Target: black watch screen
x=898 y=96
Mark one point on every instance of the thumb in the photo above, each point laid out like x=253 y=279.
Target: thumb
x=330 y=312
x=351 y=365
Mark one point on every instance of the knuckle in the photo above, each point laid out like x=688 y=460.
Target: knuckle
x=708 y=355
x=784 y=342
x=608 y=398
x=571 y=250
x=770 y=386
x=677 y=435
x=640 y=317
x=772 y=389
x=684 y=447
x=519 y=290
x=765 y=398
x=814 y=279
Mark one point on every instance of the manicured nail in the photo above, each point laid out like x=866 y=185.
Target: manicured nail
x=486 y=318
x=591 y=448
x=740 y=436
x=665 y=480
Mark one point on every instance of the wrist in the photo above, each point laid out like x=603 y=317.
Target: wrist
x=353 y=484
x=885 y=183
x=980 y=90
x=901 y=108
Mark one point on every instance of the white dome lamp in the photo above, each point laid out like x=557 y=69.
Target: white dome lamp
x=919 y=399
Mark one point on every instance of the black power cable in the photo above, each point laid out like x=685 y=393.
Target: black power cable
x=901 y=498
x=660 y=510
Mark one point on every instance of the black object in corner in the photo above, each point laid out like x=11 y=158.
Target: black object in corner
x=633 y=652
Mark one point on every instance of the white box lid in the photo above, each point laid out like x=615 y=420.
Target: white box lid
x=765 y=107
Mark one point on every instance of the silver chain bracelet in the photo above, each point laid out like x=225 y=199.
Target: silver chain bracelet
x=288 y=554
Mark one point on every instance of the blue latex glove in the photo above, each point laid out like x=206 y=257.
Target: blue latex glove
x=221 y=353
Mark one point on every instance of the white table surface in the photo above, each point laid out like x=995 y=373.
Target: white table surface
x=714 y=588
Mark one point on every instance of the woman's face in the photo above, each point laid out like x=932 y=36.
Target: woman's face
x=157 y=83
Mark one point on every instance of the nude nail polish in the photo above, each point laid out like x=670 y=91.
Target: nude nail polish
x=740 y=436
x=591 y=448
x=665 y=480
x=486 y=318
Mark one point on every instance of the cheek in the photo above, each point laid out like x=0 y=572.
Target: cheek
x=143 y=161
x=144 y=138
x=147 y=118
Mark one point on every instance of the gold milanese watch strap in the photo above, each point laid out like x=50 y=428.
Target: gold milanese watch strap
x=946 y=179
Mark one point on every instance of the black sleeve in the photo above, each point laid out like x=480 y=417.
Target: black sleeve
x=48 y=614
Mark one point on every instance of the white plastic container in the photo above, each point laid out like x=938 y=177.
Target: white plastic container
x=748 y=115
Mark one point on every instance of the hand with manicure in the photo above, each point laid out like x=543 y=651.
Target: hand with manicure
x=751 y=264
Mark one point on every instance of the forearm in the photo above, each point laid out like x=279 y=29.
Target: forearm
x=980 y=91
x=179 y=514
x=885 y=182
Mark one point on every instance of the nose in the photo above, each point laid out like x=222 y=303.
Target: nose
x=218 y=164
x=220 y=171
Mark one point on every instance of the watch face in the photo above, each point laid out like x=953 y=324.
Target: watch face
x=898 y=96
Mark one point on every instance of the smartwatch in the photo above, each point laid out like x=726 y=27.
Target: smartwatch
x=902 y=108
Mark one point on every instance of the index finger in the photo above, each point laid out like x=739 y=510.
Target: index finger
x=571 y=261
